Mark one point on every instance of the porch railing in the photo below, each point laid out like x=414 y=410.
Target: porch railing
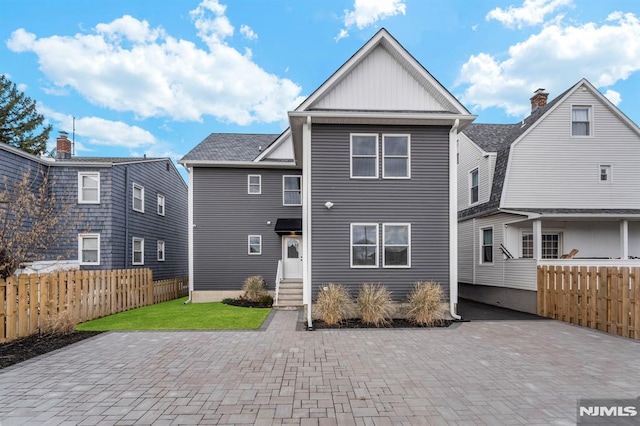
x=278 y=279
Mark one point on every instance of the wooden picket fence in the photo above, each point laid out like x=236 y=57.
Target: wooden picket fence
x=27 y=302
x=603 y=298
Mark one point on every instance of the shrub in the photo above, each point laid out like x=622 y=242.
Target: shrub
x=63 y=322
x=375 y=304
x=334 y=304
x=266 y=301
x=254 y=288
x=426 y=305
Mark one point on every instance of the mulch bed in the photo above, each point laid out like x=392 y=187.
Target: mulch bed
x=396 y=323
x=29 y=347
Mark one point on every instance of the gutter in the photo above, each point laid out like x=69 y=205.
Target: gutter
x=453 y=221
x=191 y=226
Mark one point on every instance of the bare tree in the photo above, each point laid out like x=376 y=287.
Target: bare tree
x=33 y=223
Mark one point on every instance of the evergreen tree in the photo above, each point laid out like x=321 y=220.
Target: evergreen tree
x=20 y=124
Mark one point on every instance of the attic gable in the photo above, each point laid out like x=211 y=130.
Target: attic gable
x=383 y=76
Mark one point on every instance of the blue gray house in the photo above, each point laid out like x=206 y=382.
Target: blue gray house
x=361 y=187
x=126 y=212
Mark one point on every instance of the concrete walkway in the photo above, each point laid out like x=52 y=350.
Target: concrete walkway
x=494 y=372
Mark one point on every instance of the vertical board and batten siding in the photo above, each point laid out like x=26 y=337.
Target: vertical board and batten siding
x=471 y=157
x=421 y=201
x=225 y=215
x=157 y=177
x=551 y=169
x=379 y=82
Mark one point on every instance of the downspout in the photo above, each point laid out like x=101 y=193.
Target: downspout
x=190 y=232
x=306 y=218
x=127 y=207
x=453 y=220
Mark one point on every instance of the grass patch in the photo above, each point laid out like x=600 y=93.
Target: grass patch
x=175 y=315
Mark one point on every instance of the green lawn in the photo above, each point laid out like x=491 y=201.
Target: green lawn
x=175 y=315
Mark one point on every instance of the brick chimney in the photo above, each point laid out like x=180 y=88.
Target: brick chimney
x=539 y=99
x=63 y=147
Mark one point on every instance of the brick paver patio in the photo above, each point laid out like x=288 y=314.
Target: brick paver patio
x=499 y=372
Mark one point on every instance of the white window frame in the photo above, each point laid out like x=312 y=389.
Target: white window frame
x=477 y=172
x=608 y=173
x=161 y=201
x=493 y=245
x=259 y=184
x=133 y=197
x=284 y=190
x=81 y=199
x=384 y=245
x=249 y=252
x=377 y=156
x=351 y=245
x=133 y=251
x=546 y=233
x=81 y=238
x=589 y=109
x=160 y=250
x=408 y=156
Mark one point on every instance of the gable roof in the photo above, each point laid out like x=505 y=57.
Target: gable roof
x=242 y=147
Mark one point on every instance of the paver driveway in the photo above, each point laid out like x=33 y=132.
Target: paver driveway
x=509 y=372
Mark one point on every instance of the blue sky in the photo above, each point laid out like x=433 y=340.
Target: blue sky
x=157 y=77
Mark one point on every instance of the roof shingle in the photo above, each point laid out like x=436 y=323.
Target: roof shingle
x=230 y=147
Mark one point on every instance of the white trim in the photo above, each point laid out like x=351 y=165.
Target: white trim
x=133 y=196
x=377 y=165
x=408 y=157
x=453 y=221
x=81 y=199
x=471 y=202
x=609 y=174
x=284 y=178
x=259 y=184
x=589 y=109
x=306 y=221
x=133 y=250
x=384 y=245
x=249 y=244
x=481 y=245
x=190 y=230
x=243 y=164
x=161 y=203
x=377 y=265
x=162 y=244
x=81 y=237
x=274 y=145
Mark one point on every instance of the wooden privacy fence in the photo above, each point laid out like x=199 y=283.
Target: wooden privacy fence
x=27 y=302
x=604 y=298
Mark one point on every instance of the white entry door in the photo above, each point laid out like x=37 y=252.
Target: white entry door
x=292 y=248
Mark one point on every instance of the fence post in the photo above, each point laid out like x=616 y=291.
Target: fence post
x=150 y=287
x=3 y=311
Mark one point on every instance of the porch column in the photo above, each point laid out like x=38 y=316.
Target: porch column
x=624 y=239
x=537 y=239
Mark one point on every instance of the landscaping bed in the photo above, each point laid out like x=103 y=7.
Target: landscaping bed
x=358 y=323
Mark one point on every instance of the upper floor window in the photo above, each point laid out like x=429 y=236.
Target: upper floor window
x=581 y=121
x=254 y=244
x=89 y=188
x=396 y=239
x=486 y=255
x=254 y=184
x=89 y=249
x=161 y=204
x=138 y=198
x=364 y=245
x=396 y=162
x=137 y=251
x=292 y=190
x=473 y=186
x=364 y=155
x=605 y=173
x=160 y=251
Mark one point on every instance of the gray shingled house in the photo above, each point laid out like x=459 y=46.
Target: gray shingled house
x=128 y=212
x=361 y=187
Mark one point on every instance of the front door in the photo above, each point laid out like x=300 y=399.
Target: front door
x=292 y=247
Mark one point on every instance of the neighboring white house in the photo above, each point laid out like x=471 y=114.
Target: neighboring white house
x=564 y=181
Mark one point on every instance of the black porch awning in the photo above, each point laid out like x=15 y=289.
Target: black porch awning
x=288 y=226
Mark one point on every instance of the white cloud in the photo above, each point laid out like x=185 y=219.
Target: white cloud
x=613 y=96
x=556 y=58
x=248 y=33
x=98 y=131
x=368 y=12
x=126 y=65
x=532 y=12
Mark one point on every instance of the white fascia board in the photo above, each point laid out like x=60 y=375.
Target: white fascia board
x=240 y=164
x=444 y=118
x=534 y=215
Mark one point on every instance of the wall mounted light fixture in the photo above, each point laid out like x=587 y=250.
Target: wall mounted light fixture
x=328 y=205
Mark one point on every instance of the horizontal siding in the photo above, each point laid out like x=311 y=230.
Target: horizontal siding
x=551 y=169
x=470 y=158
x=421 y=201
x=224 y=215
x=465 y=251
